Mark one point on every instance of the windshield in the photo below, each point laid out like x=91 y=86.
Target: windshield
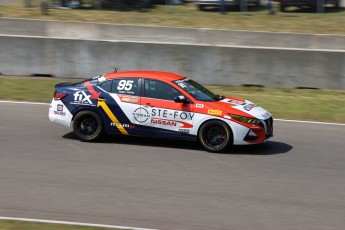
x=196 y=90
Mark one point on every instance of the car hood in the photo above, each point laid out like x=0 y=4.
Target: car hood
x=241 y=107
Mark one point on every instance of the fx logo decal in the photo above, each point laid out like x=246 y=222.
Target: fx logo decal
x=81 y=97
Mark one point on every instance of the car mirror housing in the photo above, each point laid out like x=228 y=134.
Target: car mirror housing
x=180 y=99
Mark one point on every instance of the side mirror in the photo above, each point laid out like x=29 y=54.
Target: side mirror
x=180 y=99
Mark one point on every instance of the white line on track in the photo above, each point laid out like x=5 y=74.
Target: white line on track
x=71 y=223
x=309 y=122
x=284 y=120
x=24 y=102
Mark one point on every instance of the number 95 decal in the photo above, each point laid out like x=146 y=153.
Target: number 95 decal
x=125 y=85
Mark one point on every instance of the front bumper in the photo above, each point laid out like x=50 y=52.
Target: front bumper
x=260 y=133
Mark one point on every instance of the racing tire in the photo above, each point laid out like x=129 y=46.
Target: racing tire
x=87 y=125
x=215 y=136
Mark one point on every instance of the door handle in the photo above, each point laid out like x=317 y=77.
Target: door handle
x=149 y=105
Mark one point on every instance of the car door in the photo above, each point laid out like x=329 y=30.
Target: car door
x=166 y=117
x=120 y=98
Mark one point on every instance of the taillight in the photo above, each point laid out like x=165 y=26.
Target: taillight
x=59 y=96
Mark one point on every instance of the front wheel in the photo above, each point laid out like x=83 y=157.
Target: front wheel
x=87 y=125
x=215 y=136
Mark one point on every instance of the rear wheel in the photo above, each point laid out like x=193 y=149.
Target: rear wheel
x=87 y=125
x=215 y=136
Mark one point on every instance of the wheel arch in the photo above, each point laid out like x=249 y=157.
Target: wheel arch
x=215 y=119
x=88 y=109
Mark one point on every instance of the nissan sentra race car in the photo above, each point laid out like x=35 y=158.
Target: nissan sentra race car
x=158 y=104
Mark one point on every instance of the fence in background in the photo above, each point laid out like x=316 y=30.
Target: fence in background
x=216 y=65
x=223 y=57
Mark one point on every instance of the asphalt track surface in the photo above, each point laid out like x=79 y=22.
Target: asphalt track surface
x=295 y=181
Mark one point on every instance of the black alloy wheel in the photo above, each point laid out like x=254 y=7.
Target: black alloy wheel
x=215 y=136
x=87 y=125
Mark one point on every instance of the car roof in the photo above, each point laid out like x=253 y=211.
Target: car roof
x=161 y=75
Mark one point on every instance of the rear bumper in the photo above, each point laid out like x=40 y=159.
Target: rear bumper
x=59 y=114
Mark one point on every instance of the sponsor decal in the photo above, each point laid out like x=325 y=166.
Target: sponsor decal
x=214 y=112
x=182 y=80
x=172 y=123
x=129 y=99
x=59 y=110
x=163 y=117
x=80 y=97
x=266 y=115
x=163 y=122
x=236 y=102
x=187 y=131
x=249 y=107
x=102 y=79
x=131 y=126
x=141 y=115
x=97 y=77
x=199 y=105
x=181 y=84
x=59 y=107
x=60 y=113
x=164 y=113
x=227 y=117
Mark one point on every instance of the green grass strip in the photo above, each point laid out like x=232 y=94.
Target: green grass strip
x=21 y=225
x=295 y=104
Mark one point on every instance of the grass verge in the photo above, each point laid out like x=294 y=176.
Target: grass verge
x=21 y=225
x=296 y=104
x=257 y=18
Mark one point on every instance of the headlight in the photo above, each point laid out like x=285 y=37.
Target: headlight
x=247 y=120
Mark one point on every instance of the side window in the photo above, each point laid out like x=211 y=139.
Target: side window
x=129 y=86
x=159 y=90
x=106 y=85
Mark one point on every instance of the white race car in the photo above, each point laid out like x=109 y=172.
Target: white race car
x=158 y=104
